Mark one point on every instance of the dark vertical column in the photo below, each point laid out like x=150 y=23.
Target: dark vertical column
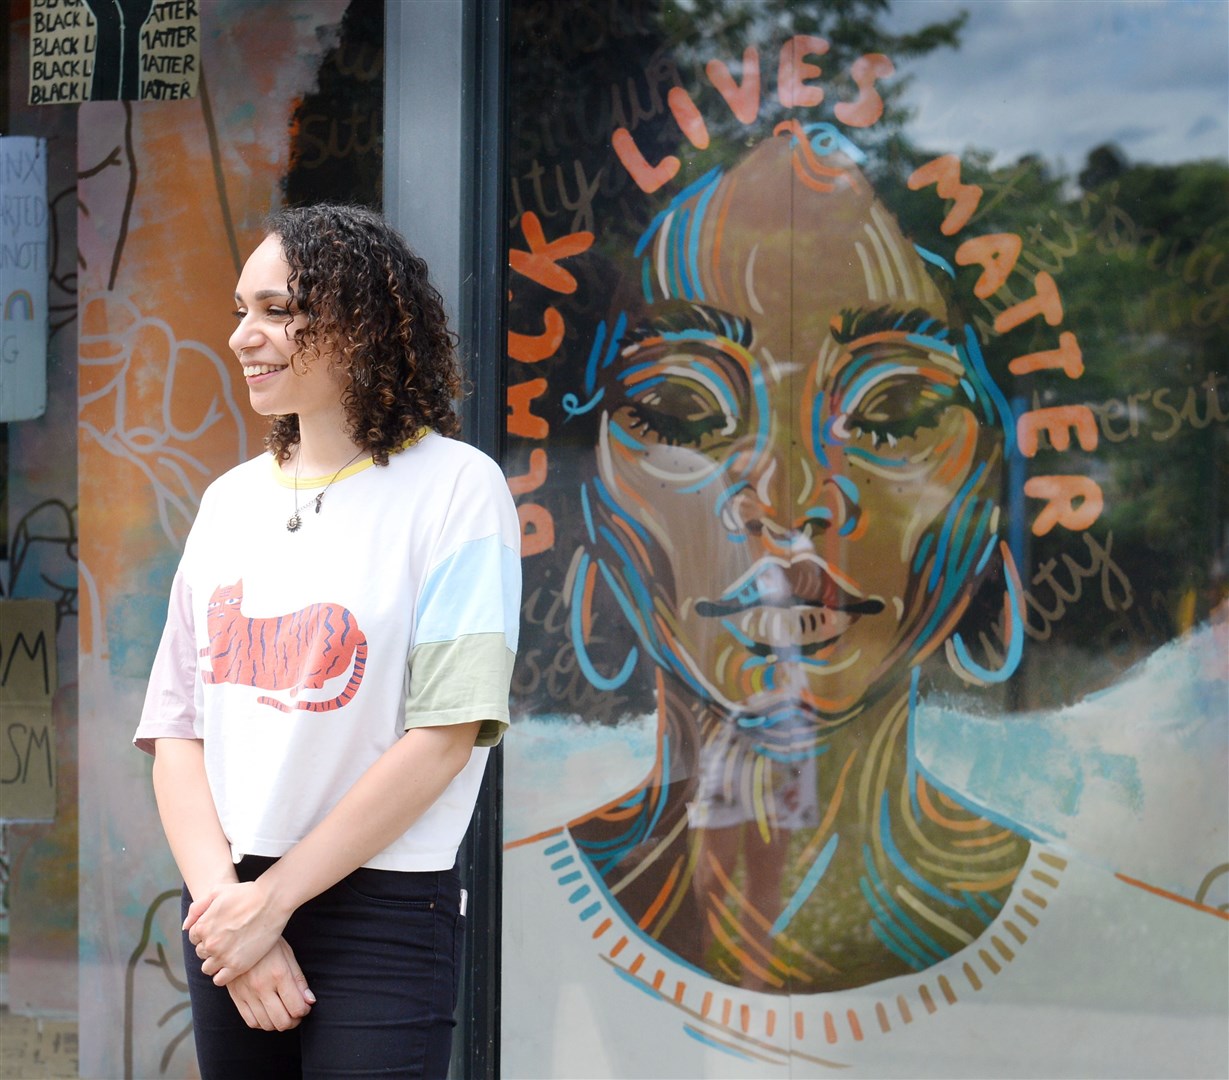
x=481 y=325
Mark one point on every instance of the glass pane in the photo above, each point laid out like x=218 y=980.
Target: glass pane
x=867 y=416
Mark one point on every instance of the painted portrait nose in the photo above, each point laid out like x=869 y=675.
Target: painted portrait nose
x=783 y=493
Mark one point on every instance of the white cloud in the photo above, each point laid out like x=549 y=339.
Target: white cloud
x=1058 y=77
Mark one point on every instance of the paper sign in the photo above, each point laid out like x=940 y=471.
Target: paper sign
x=27 y=728
x=23 y=277
x=113 y=50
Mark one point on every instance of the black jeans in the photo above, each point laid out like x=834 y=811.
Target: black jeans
x=381 y=952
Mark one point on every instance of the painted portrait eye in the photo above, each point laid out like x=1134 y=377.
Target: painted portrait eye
x=884 y=401
x=681 y=400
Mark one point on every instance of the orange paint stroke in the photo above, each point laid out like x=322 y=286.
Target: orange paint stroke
x=770 y=1022
x=881 y=1014
x=619 y=946
x=924 y=993
x=537 y=529
x=944 y=172
x=952 y=468
x=1004 y=951
x=855 y=1025
x=636 y=964
x=932 y=812
x=532 y=348
x=706 y=1004
x=1165 y=894
x=586 y=603
x=749 y=909
x=688 y=117
x=658 y=979
x=1074 y=502
x=997 y=255
x=1020 y=936
x=793 y=71
x=989 y=961
x=1067 y=357
x=983 y=841
x=834 y=805
x=867 y=107
x=744 y=1017
x=948 y=993
x=903 y=1006
x=541 y=262
x=799 y=1024
x=680 y=991
x=532 y=839
x=744 y=100
x=605 y=925
x=1045 y=302
x=534 y=478
x=648 y=177
x=806 y=165
x=742 y=955
x=971 y=975
x=1026 y=915
x=660 y=899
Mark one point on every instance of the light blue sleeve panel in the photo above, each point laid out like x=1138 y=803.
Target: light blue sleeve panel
x=475 y=590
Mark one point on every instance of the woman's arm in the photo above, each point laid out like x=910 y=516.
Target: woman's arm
x=234 y=925
x=189 y=817
x=274 y=995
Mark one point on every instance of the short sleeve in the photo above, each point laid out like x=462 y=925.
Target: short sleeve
x=469 y=612
x=171 y=706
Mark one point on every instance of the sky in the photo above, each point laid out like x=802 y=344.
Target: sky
x=1059 y=77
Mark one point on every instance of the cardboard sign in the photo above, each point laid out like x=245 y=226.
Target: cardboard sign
x=27 y=728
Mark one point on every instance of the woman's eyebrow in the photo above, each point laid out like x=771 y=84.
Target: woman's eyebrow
x=673 y=321
x=267 y=294
x=855 y=323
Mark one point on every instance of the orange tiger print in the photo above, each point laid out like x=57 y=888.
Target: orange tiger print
x=286 y=652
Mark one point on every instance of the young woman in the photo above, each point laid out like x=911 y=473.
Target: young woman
x=334 y=666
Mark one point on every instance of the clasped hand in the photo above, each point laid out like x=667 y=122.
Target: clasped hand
x=233 y=927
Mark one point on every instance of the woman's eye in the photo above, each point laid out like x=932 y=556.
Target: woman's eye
x=239 y=315
x=678 y=414
x=895 y=408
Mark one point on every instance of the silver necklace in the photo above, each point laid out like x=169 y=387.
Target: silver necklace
x=295 y=521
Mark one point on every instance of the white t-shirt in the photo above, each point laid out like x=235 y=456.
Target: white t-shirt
x=299 y=658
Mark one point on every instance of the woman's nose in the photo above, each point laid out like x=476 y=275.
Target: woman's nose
x=242 y=336
x=782 y=495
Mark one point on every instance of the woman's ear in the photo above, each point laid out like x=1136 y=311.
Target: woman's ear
x=988 y=642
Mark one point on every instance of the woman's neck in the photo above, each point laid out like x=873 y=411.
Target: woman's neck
x=322 y=450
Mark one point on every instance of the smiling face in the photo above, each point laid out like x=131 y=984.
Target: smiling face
x=279 y=381
x=794 y=462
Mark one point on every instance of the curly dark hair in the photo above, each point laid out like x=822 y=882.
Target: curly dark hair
x=373 y=312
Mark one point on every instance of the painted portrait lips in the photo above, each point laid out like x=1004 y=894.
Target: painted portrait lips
x=795 y=605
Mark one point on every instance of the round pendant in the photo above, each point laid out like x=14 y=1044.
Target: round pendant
x=295 y=521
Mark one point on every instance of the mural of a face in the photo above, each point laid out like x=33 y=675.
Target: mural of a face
x=799 y=459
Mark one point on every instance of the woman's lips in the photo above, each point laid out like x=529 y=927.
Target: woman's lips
x=792 y=606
